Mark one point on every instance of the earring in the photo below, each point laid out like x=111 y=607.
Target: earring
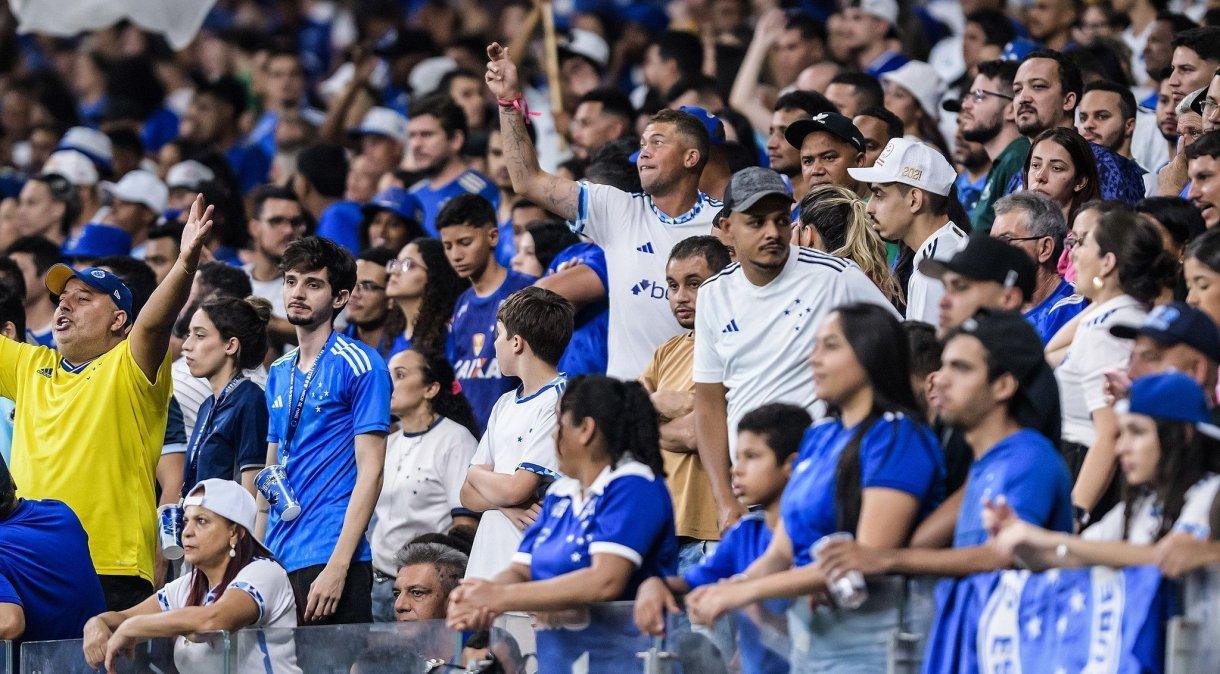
x=1098 y=284
x=232 y=549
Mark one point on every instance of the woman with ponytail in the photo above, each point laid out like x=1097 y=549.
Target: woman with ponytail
x=226 y=336
x=603 y=529
x=425 y=465
x=872 y=469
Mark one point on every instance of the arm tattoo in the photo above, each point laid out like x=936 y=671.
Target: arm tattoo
x=553 y=193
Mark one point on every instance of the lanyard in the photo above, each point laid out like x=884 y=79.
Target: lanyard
x=299 y=405
x=205 y=429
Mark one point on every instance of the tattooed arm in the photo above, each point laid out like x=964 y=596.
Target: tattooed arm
x=559 y=196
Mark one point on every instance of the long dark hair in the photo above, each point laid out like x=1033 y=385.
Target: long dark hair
x=440 y=295
x=1144 y=267
x=1185 y=453
x=449 y=402
x=1082 y=160
x=880 y=346
x=245 y=552
x=623 y=414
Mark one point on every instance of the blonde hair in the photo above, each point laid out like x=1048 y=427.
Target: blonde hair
x=841 y=220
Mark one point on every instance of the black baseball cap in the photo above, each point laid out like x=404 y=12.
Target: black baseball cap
x=829 y=122
x=1177 y=323
x=982 y=257
x=1014 y=347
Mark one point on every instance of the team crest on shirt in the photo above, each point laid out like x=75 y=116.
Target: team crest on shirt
x=477 y=340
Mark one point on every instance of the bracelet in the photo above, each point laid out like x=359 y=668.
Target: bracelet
x=1061 y=551
x=519 y=105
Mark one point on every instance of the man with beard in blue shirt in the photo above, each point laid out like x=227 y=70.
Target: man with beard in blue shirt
x=329 y=404
x=436 y=133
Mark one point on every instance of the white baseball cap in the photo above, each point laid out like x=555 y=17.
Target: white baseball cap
x=228 y=499
x=90 y=142
x=586 y=44
x=73 y=165
x=886 y=10
x=383 y=122
x=924 y=83
x=139 y=187
x=189 y=174
x=910 y=162
x=426 y=76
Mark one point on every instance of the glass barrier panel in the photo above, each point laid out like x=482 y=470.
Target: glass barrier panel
x=6 y=657
x=752 y=640
x=1193 y=644
x=408 y=647
x=597 y=638
x=205 y=652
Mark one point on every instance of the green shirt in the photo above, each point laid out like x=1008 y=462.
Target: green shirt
x=1010 y=162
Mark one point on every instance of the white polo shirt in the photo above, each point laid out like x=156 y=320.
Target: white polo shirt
x=420 y=488
x=756 y=340
x=518 y=437
x=637 y=238
x=924 y=292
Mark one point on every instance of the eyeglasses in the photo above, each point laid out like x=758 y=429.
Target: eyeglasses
x=399 y=266
x=979 y=94
x=368 y=287
x=1071 y=241
x=1008 y=238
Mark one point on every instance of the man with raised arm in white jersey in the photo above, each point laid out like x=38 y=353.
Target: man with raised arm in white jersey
x=755 y=326
x=637 y=231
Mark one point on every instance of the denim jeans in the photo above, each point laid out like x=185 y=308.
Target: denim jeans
x=383 y=599
x=828 y=640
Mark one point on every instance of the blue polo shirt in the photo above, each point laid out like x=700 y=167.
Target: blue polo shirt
x=45 y=568
x=340 y=222
x=470 y=182
x=744 y=543
x=625 y=512
x=349 y=396
x=250 y=164
x=1028 y=471
x=895 y=453
x=587 y=352
x=1056 y=310
x=471 y=346
x=235 y=440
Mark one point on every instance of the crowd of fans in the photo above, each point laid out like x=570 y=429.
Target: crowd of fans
x=366 y=317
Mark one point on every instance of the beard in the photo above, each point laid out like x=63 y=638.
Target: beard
x=434 y=169
x=1031 y=128
x=984 y=134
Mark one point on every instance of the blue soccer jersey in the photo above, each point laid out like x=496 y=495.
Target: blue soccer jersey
x=586 y=353
x=1027 y=470
x=233 y=441
x=895 y=453
x=340 y=223
x=348 y=395
x=1056 y=310
x=433 y=198
x=471 y=346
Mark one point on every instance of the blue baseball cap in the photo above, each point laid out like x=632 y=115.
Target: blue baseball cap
x=1018 y=49
x=1177 y=323
x=98 y=240
x=99 y=279
x=397 y=201
x=713 y=124
x=1172 y=396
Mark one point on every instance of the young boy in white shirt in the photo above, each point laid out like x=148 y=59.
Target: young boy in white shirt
x=516 y=457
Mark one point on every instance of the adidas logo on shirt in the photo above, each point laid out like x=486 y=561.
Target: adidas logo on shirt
x=731 y=327
x=278 y=403
x=646 y=248
x=46 y=372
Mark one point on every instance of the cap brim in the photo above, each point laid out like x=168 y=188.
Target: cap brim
x=57 y=278
x=934 y=268
x=749 y=202
x=951 y=105
x=871 y=174
x=1125 y=331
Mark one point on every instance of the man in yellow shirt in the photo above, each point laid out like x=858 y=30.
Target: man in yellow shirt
x=90 y=419
x=668 y=378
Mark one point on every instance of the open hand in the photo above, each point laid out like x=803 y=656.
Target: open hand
x=195 y=233
x=324 y=593
x=501 y=74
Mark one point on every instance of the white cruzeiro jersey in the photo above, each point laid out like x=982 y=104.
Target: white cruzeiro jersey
x=924 y=292
x=637 y=238
x=757 y=340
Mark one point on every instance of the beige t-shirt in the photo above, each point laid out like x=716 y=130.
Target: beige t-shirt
x=694 y=507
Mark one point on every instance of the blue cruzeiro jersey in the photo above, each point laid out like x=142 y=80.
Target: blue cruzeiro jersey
x=587 y=351
x=471 y=346
x=1056 y=310
x=349 y=396
x=470 y=182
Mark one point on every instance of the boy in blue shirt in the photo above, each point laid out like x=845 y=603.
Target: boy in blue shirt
x=468 y=231
x=329 y=404
x=767 y=441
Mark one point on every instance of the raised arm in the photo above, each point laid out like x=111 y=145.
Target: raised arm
x=150 y=334
x=559 y=196
x=744 y=96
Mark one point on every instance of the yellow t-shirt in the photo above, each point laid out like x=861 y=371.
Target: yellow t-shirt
x=671 y=369
x=91 y=440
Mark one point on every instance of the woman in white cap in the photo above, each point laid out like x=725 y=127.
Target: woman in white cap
x=234 y=584
x=913 y=93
